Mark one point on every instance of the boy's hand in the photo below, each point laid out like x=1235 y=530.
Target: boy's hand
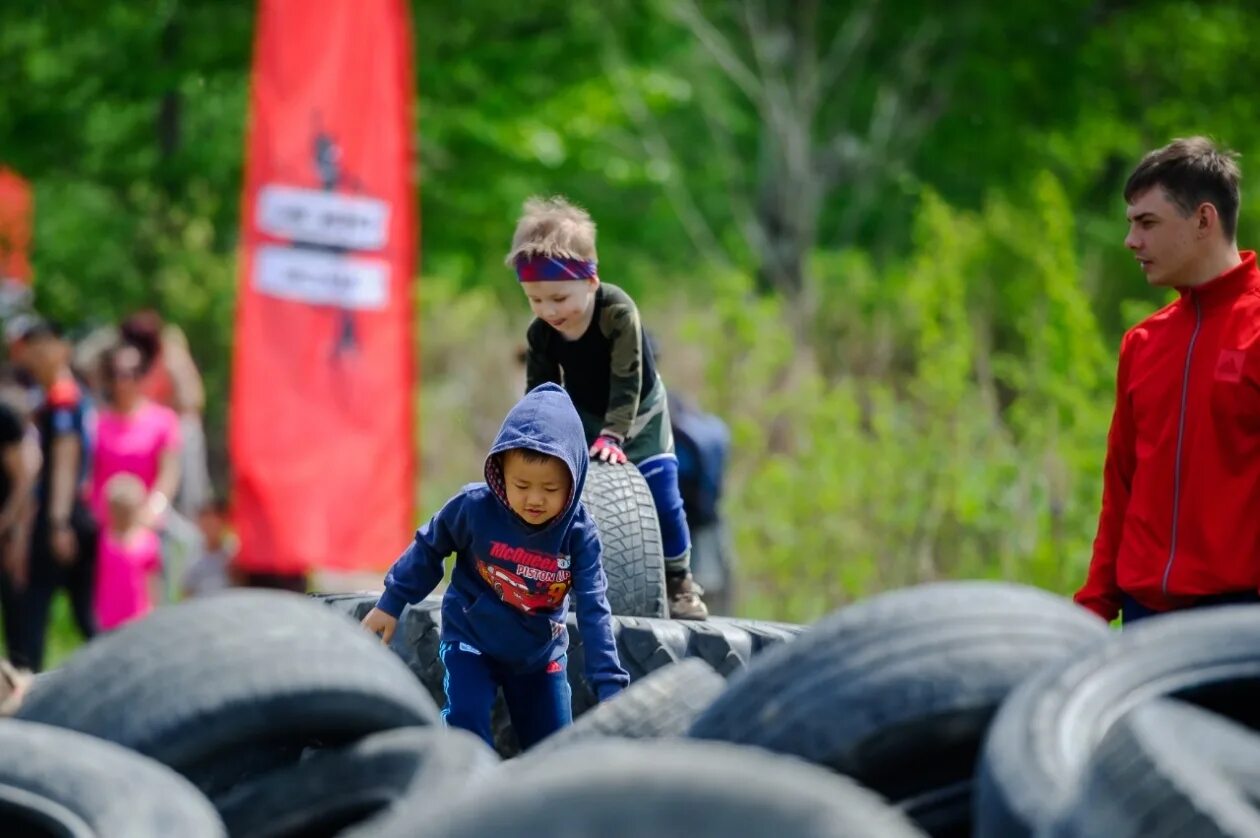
x=609 y=450
x=378 y=622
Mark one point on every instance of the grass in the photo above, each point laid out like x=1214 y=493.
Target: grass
x=63 y=635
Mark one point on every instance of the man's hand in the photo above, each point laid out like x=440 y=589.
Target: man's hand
x=609 y=450
x=378 y=622
x=65 y=546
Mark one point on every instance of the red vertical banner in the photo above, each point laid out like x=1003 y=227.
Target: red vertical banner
x=320 y=425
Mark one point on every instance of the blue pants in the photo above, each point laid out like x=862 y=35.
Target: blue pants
x=539 y=703
x=661 y=474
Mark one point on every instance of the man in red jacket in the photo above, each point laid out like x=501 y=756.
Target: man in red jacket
x=1180 y=522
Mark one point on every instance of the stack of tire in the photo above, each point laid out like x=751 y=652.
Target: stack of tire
x=1149 y=734
x=262 y=713
x=951 y=709
x=250 y=713
x=995 y=710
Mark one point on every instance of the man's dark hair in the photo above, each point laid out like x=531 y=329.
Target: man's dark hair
x=1191 y=171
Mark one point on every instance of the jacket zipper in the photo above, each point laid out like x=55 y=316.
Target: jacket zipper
x=1181 y=432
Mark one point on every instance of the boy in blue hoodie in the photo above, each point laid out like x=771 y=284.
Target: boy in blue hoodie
x=522 y=541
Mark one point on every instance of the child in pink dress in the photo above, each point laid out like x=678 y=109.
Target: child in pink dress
x=128 y=558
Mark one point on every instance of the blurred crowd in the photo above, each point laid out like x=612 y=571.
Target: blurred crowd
x=105 y=492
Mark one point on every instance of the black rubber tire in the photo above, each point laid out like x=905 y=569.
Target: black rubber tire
x=943 y=812
x=643 y=645
x=59 y=782
x=661 y=704
x=1046 y=730
x=726 y=644
x=1166 y=770
x=897 y=690
x=619 y=500
x=241 y=674
x=416 y=639
x=666 y=787
x=355 y=789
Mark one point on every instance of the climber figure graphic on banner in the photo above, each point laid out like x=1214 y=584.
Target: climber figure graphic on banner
x=325 y=228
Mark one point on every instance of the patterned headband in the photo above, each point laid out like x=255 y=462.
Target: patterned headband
x=547 y=268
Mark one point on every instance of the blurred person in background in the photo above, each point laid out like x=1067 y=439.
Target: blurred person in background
x=212 y=570
x=63 y=535
x=702 y=442
x=137 y=435
x=170 y=377
x=19 y=469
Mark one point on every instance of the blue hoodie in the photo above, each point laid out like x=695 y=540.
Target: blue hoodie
x=509 y=591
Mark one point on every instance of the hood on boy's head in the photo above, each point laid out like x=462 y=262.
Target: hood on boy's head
x=546 y=421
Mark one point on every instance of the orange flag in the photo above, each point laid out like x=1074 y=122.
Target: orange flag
x=15 y=239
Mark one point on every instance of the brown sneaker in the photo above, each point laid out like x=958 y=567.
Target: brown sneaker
x=684 y=598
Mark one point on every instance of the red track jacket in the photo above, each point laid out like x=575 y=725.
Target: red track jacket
x=1181 y=487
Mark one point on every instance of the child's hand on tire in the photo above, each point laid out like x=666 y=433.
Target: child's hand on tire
x=378 y=622
x=609 y=450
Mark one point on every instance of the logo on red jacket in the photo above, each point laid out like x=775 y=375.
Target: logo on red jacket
x=1229 y=367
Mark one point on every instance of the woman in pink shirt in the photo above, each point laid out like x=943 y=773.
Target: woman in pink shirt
x=135 y=435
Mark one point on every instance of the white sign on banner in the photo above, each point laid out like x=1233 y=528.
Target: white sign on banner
x=311 y=276
x=328 y=218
